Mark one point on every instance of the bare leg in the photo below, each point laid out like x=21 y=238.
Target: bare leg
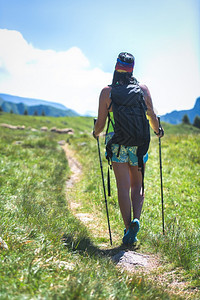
x=136 y=191
x=122 y=175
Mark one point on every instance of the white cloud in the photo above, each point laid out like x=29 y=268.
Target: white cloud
x=64 y=77
x=172 y=75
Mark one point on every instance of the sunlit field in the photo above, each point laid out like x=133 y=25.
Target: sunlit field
x=35 y=215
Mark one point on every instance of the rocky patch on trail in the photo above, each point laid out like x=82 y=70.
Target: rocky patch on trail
x=131 y=260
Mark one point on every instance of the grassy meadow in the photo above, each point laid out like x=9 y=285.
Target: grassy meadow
x=52 y=255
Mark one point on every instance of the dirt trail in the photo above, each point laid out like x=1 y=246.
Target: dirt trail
x=76 y=171
x=125 y=259
x=75 y=167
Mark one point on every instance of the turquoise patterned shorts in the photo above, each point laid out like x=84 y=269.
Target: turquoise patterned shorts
x=126 y=154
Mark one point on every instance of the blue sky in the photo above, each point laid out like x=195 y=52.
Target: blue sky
x=65 y=51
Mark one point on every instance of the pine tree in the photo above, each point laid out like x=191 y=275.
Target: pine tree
x=26 y=112
x=35 y=113
x=186 y=120
x=43 y=113
x=197 y=122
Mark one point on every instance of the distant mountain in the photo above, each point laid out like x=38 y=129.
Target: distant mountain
x=19 y=104
x=90 y=113
x=175 y=117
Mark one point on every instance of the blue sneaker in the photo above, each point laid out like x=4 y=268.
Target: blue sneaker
x=130 y=235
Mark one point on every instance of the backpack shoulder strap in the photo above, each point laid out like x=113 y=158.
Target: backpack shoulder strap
x=109 y=117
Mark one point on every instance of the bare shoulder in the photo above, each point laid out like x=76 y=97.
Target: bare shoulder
x=105 y=96
x=145 y=90
x=106 y=91
x=148 y=99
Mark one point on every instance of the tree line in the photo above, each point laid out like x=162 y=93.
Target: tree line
x=26 y=112
x=186 y=120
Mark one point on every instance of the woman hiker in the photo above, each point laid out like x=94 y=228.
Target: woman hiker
x=125 y=162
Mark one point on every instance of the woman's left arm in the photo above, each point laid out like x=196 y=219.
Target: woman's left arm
x=153 y=120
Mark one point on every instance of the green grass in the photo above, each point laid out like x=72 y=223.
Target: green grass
x=34 y=214
x=181 y=198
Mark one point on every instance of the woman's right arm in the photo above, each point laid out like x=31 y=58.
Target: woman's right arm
x=102 y=111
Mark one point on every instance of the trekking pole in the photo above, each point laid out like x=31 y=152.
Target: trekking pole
x=161 y=181
x=104 y=189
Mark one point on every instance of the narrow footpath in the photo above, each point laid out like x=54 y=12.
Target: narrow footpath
x=145 y=265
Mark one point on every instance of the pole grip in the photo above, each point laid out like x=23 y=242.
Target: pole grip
x=96 y=137
x=161 y=131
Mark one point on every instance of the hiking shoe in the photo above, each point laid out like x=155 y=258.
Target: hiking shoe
x=130 y=235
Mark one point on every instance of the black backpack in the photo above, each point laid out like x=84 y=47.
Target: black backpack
x=131 y=127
